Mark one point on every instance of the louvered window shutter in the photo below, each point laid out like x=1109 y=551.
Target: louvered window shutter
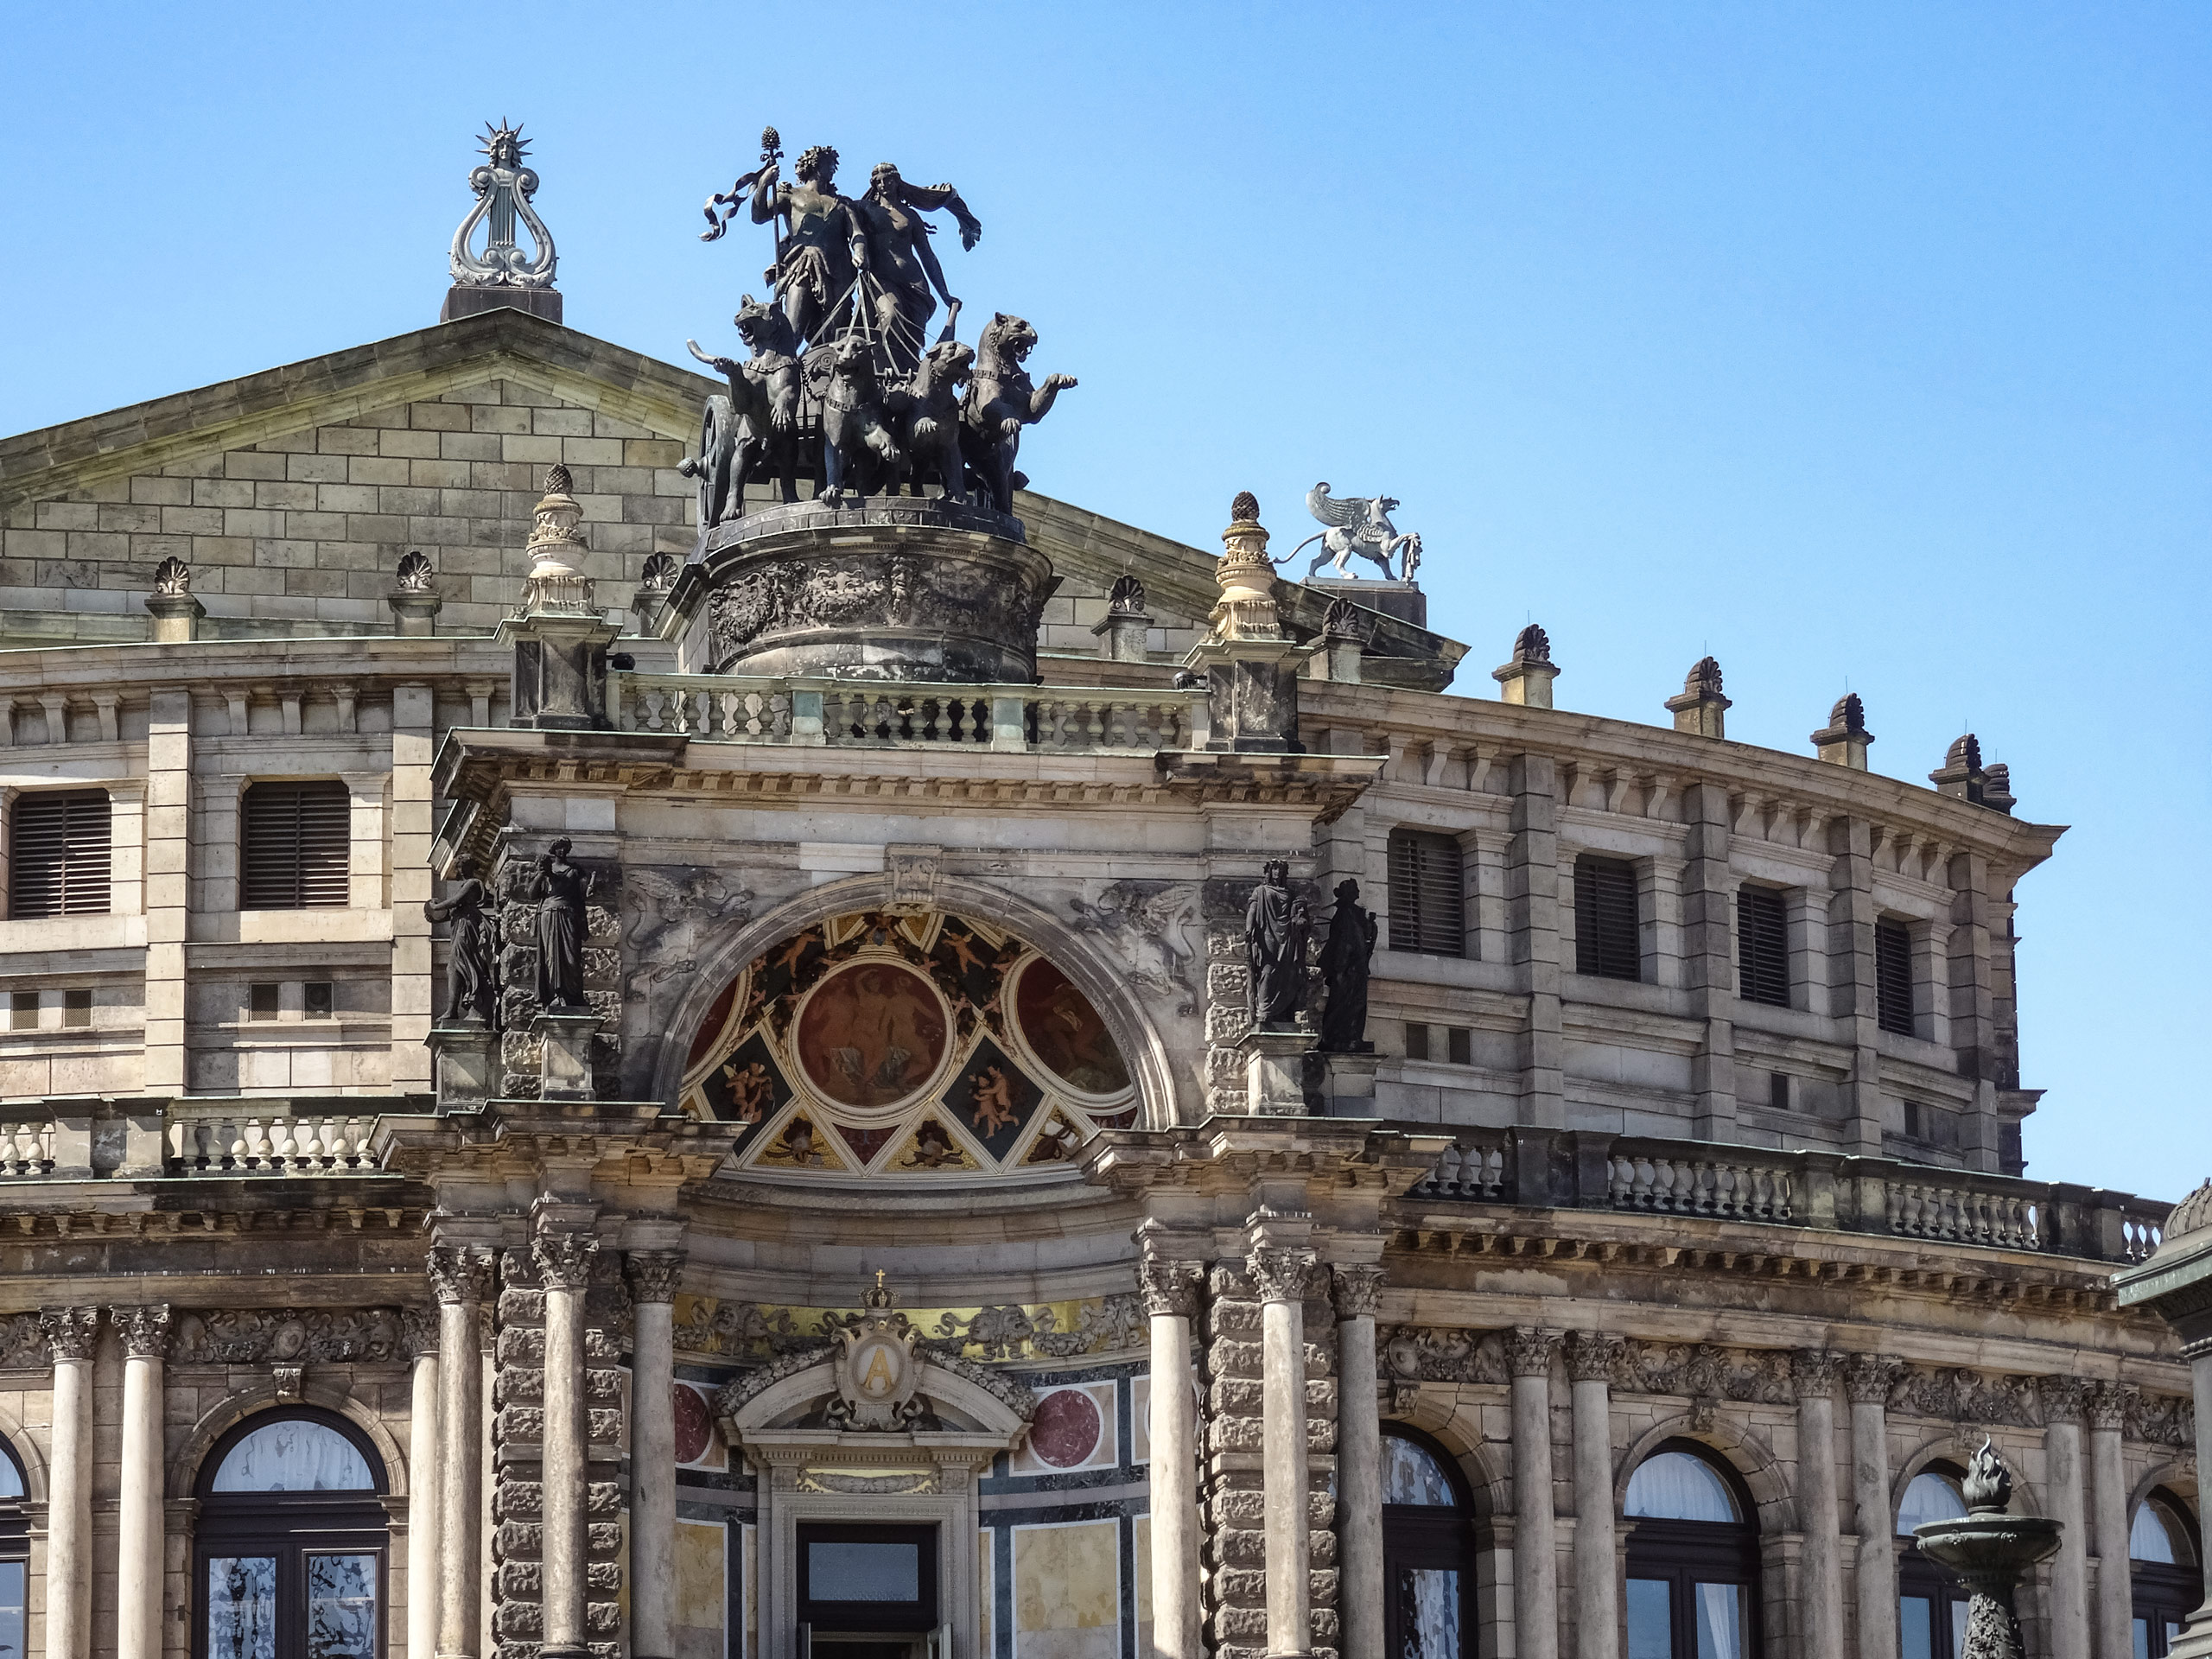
x=1762 y=947
x=1608 y=940
x=298 y=845
x=1893 y=977
x=1428 y=910
x=59 y=854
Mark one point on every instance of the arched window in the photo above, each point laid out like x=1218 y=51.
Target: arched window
x=290 y=1556
x=15 y=1553
x=1693 y=1559
x=1931 y=1604
x=1427 y=1551
x=2167 y=1587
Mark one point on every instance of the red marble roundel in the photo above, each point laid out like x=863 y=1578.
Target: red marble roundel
x=695 y=1425
x=1064 y=1432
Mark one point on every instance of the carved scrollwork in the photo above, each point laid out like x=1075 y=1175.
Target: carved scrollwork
x=145 y=1329
x=288 y=1335
x=23 y=1342
x=418 y=1330
x=1529 y=1351
x=1358 y=1291
x=1281 y=1275
x=460 y=1273
x=1170 y=1287
x=653 y=1273
x=70 y=1333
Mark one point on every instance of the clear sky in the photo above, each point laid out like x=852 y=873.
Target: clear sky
x=1862 y=346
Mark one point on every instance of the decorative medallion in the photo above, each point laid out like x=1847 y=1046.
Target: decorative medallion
x=1065 y=1032
x=878 y=1369
x=872 y=1035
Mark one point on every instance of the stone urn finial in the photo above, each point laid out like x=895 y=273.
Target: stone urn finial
x=1247 y=609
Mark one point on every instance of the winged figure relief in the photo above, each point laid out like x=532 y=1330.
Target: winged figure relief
x=672 y=913
x=1147 y=922
x=1358 y=525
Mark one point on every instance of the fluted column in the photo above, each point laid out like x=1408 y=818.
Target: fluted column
x=564 y=1259
x=2105 y=1407
x=145 y=1332
x=1867 y=1379
x=72 y=1336
x=1590 y=1359
x=461 y=1276
x=1814 y=1372
x=1359 y=1463
x=425 y=1518
x=1281 y=1276
x=1536 y=1550
x=2069 y=1568
x=1170 y=1289
x=653 y=1275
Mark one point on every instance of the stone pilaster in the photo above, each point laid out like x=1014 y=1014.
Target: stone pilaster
x=1532 y=907
x=564 y=1260
x=1282 y=1275
x=425 y=1507
x=1359 y=1462
x=2063 y=1474
x=1170 y=1290
x=1591 y=1360
x=1867 y=1379
x=1813 y=1373
x=72 y=1337
x=145 y=1332
x=414 y=741
x=2106 y=1407
x=462 y=1277
x=1536 y=1554
x=653 y=1275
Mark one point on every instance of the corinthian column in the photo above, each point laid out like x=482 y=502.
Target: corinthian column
x=1359 y=1463
x=71 y=1334
x=653 y=1275
x=1282 y=1276
x=461 y=1276
x=564 y=1260
x=2107 y=1408
x=145 y=1332
x=1814 y=1372
x=419 y=1329
x=1867 y=1378
x=1590 y=1359
x=1170 y=1289
x=1535 y=1551
x=2069 y=1568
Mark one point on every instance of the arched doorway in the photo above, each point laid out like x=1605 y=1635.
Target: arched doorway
x=1693 y=1558
x=2162 y=1547
x=1428 y=1567
x=290 y=1555
x=1931 y=1604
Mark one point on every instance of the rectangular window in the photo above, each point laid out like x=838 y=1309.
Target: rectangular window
x=1459 y=1045
x=1777 y=1091
x=1893 y=977
x=1762 y=947
x=1912 y=1120
x=1416 y=1042
x=77 y=1007
x=58 y=857
x=298 y=842
x=316 y=1001
x=1608 y=944
x=261 y=1003
x=22 y=1011
x=1428 y=910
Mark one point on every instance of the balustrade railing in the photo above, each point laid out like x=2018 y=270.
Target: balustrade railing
x=26 y=1148
x=234 y=1137
x=877 y=715
x=1549 y=1169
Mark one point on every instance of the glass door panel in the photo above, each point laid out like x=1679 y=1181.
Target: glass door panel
x=341 y=1606
x=242 y=1607
x=1917 y=1627
x=1650 y=1619
x=1428 y=1612
x=1959 y=1610
x=1720 y=1621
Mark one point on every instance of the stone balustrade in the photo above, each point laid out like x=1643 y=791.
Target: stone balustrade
x=1547 y=1168
x=1046 y=720
x=234 y=1137
x=27 y=1148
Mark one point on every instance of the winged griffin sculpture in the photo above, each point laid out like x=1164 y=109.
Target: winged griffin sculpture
x=1361 y=525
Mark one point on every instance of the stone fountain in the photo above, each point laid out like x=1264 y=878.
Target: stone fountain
x=1989 y=1552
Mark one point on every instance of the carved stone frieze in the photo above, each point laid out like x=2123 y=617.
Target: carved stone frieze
x=23 y=1342
x=320 y=1335
x=2163 y=1420
x=674 y=911
x=418 y=1330
x=70 y=1333
x=1148 y=925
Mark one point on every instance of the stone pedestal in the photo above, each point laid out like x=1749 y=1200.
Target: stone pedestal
x=560 y=672
x=414 y=614
x=1350 y=1089
x=1251 y=694
x=176 y=617
x=1274 y=1072
x=464 y=1065
x=1122 y=636
x=564 y=1056
x=1401 y=600
x=465 y=302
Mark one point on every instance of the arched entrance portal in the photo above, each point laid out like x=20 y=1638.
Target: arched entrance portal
x=927 y=1048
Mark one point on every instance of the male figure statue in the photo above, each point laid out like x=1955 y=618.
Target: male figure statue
x=814 y=265
x=1275 y=929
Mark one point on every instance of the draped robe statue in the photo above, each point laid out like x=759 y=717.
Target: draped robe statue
x=1275 y=927
x=1344 y=958
x=472 y=985
x=560 y=889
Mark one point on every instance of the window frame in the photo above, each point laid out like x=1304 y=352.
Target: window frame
x=1763 y=946
x=1685 y=1554
x=1414 y=889
x=1919 y=1576
x=98 y=867
x=1894 y=1000
x=307 y=874
x=1603 y=949
x=1429 y=1537
x=2157 y=1592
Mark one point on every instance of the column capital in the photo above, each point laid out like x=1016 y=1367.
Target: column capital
x=1169 y=1287
x=1282 y=1274
x=2062 y=1397
x=70 y=1333
x=653 y=1273
x=1528 y=1350
x=1814 y=1371
x=460 y=1273
x=2106 y=1404
x=564 y=1259
x=1592 y=1357
x=1358 y=1290
x=145 y=1329
x=1868 y=1378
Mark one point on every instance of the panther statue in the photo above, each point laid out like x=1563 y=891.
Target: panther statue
x=860 y=454
x=927 y=413
x=753 y=432
x=1001 y=401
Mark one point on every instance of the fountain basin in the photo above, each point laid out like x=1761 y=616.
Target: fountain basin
x=1989 y=1553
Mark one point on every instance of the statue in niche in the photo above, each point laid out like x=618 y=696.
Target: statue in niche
x=1344 y=959
x=1276 y=926
x=560 y=891
x=472 y=970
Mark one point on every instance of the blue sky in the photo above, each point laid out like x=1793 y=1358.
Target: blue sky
x=1857 y=345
